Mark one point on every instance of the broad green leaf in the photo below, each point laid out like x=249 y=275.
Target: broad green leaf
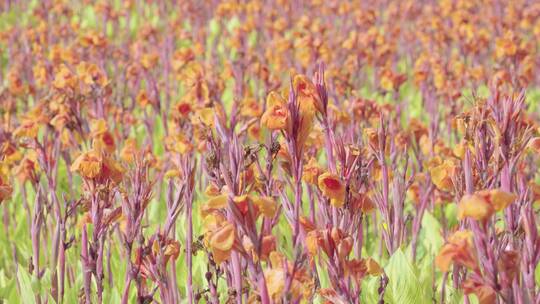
x=370 y=287
x=25 y=284
x=431 y=229
x=404 y=286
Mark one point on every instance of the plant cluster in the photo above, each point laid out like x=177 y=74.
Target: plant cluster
x=269 y=151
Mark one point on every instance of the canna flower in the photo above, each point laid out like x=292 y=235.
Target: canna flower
x=276 y=116
x=144 y=100
x=92 y=165
x=183 y=109
x=484 y=292
x=268 y=244
x=266 y=205
x=221 y=242
x=373 y=268
x=459 y=250
x=88 y=164
x=307 y=95
x=441 y=175
x=360 y=268
x=64 y=79
x=40 y=73
x=27 y=168
x=250 y=108
x=10 y=154
x=534 y=144
x=29 y=129
x=506 y=46
x=178 y=143
x=362 y=202
x=5 y=188
x=390 y=81
x=254 y=132
x=275 y=282
x=129 y=150
x=155 y=255
x=332 y=187
x=15 y=82
x=102 y=139
x=217 y=202
x=302 y=284
x=482 y=204
x=331 y=241
x=311 y=172
x=91 y=75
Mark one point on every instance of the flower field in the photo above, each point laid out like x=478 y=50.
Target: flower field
x=250 y=151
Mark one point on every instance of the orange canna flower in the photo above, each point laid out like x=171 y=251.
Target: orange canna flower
x=302 y=284
x=92 y=165
x=221 y=242
x=91 y=75
x=484 y=292
x=373 y=268
x=332 y=240
x=275 y=282
x=362 y=202
x=250 y=108
x=311 y=172
x=459 y=250
x=441 y=175
x=276 y=116
x=482 y=204
x=268 y=245
x=88 y=164
x=5 y=188
x=129 y=150
x=143 y=99
x=534 y=144
x=214 y=203
x=307 y=94
x=332 y=187
x=64 y=79
x=267 y=205
x=103 y=141
x=331 y=296
x=28 y=129
x=183 y=109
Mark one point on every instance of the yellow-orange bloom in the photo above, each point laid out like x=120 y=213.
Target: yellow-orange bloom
x=5 y=188
x=441 y=175
x=93 y=165
x=311 y=172
x=276 y=116
x=275 y=282
x=221 y=242
x=64 y=78
x=88 y=164
x=266 y=205
x=91 y=75
x=459 y=249
x=484 y=292
x=214 y=203
x=482 y=204
x=332 y=187
x=307 y=95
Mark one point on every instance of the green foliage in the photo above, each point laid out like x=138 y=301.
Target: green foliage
x=404 y=285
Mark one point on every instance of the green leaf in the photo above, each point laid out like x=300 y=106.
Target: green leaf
x=404 y=286
x=370 y=288
x=431 y=228
x=25 y=284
